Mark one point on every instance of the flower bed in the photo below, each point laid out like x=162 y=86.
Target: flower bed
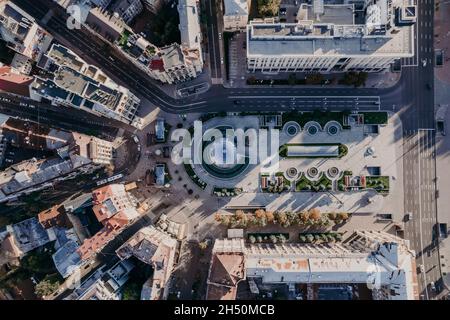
x=304 y=184
x=379 y=183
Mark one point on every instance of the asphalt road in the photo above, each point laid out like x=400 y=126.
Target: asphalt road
x=213 y=40
x=419 y=162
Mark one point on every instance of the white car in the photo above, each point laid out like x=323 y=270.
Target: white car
x=424 y=62
x=221 y=60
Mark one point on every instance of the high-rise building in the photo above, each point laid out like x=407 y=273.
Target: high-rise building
x=335 y=37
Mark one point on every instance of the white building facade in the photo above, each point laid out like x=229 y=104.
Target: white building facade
x=333 y=38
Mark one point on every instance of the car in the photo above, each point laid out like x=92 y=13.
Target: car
x=236 y=102
x=422 y=268
x=221 y=60
x=432 y=286
x=220 y=36
x=23 y=104
x=429 y=86
x=136 y=139
x=441 y=126
x=424 y=62
x=408 y=216
x=283 y=11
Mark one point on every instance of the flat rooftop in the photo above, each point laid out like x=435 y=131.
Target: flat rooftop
x=334 y=33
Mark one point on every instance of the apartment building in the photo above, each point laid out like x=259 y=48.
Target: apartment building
x=114 y=208
x=379 y=260
x=127 y=10
x=80 y=85
x=103 y=284
x=335 y=36
x=73 y=154
x=191 y=35
x=21 y=32
x=235 y=16
x=14 y=82
x=156 y=248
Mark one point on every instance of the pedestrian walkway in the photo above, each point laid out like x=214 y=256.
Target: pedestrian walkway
x=442 y=40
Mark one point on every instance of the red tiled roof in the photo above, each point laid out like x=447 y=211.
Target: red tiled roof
x=157 y=64
x=14 y=83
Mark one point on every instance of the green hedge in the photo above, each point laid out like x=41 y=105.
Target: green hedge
x=304 y=184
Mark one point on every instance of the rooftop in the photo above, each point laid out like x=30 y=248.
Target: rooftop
x=334 y=33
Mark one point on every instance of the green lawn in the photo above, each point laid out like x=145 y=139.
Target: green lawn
x=304 y=184
x=379 y=183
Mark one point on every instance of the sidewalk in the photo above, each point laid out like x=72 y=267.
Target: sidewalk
x=239 y=74
x=442 y=39
x=442 y=100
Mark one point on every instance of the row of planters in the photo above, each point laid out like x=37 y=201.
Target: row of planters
x=304 y=184
x=227 y=192
x=324 y=237
x=278 y=185
x=260 y=218
x=378 y=183
x=268 y=237
x=191 y=173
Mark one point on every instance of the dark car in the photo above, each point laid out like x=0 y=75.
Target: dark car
x=429 y=86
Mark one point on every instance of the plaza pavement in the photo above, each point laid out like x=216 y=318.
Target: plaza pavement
x=388 y=146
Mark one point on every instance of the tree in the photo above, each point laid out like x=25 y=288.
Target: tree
x=292 y=79
x=203 y=245
x=240 y=214
x=225 y=220
x=282 y=238
x=268 y=8
x=355 y=79
x=259 y=239
x=252 y=239
x=218 y=217
x=314 y=78
x=343 y=216
x=291 y=217
x=46 y=288
x=273 y=238
x=281 y=218
x=260 y=213
x=270 y=216
x=309 y=238
x=131 y=291
x=332 y=216
x=315 y=214
x=302 y=238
